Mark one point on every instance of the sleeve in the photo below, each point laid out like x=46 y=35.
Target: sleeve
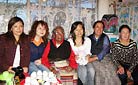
x=135 y=59
x=3 y=66
x=106 y=48
x=25 y=60
x=114 y=53
x=44 y=59
x=72 y=61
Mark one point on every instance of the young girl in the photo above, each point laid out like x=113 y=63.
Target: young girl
x=39 y=37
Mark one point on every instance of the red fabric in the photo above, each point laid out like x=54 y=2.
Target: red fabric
x=45 y=61
x=23 y=81
x=72 y=61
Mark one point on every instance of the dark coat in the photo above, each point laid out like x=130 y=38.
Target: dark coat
x=8 y=49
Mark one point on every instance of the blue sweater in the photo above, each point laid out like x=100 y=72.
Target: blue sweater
x=36 y=51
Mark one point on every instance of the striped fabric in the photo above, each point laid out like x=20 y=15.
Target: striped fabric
x=67 y=78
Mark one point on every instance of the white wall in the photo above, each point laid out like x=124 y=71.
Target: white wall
x=103 y=8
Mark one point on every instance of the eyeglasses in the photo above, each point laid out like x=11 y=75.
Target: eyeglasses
x=58 y=33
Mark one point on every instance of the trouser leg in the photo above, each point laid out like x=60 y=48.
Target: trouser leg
x=135 y=75
x=82 y=73
x=91 y=74
x=123 y=78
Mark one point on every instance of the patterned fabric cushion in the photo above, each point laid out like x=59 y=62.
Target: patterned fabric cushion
x=68 y=78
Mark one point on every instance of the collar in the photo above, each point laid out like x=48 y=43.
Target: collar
x=37 y=43
x=54 y=42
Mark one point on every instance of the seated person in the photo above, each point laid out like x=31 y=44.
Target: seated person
x=56 y=50
x=100 y=47
x=81 y=46
x=14 y=50
x=14 y=47
x=39 y=37
x=125 y=56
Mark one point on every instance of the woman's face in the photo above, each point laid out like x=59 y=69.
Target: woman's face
x=79 y=31
x=17 y=28
x=40 y=30
x=125 y=34
x=98 y=29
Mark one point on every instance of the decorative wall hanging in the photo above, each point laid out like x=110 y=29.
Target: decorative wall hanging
x=111 y=22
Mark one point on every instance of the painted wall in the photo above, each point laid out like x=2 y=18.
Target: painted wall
x=127 y=12
x=53 y=14
x=66 y=16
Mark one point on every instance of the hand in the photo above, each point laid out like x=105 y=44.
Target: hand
x=10 y=69
x=77 y=57
x=92 y=59
x=53 y=70
x=68 y=69
x=120 y=70
x=128 y=74
x=38 y=62
x=25 y=69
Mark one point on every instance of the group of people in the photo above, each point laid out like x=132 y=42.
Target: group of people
x=94 y=58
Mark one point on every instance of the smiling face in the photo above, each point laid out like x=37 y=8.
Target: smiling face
x=17 y=29
x=125 y=34
x=40 y=30
x=79 y=31
x=98 y=29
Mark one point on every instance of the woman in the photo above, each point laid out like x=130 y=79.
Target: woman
x=125 y=56
x=81 y=46
x=39 y=38
x=14 y=47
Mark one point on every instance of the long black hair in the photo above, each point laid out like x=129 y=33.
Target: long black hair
x=9 y=33
x=73 y=27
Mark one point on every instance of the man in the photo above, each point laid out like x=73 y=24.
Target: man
x=104 y=68
x=58 y=51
